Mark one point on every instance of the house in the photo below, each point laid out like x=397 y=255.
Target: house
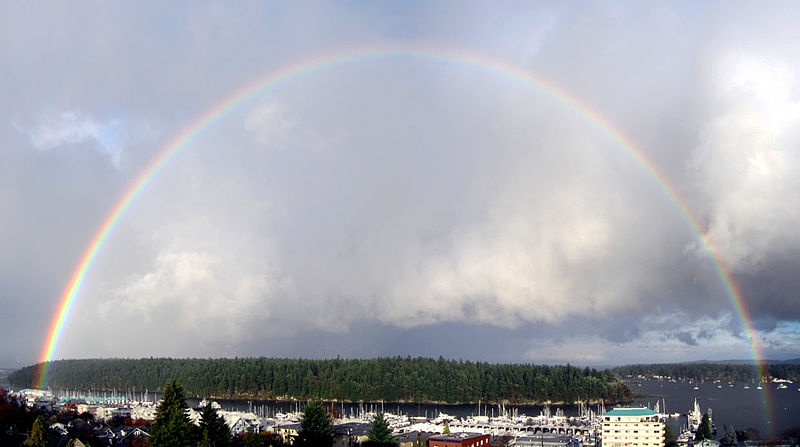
x=121 y=412
x=241 y=425
x=241 y=422
x=287 y=432
x=120 y=436
x=126 y=435
x=86 y=408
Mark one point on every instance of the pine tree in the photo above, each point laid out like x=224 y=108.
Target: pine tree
x=214 y=431
x=38 y=437
x=379 y=433
x=253 y=439
x=171 y=427
x=316 y=428
x=704 y=430
x=446 y=429
x=730 y=436
x=669 y=437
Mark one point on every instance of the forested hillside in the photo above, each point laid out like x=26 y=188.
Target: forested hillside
x=712 y=371
x=388 y=379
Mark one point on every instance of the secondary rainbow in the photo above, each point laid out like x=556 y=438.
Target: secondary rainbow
x=329 y=60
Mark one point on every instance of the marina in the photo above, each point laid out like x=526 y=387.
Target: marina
x=679 y=404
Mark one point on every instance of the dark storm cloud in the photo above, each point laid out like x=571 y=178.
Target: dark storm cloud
x=622 y=331
x=687 y=338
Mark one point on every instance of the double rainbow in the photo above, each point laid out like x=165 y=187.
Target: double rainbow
x=329 y=60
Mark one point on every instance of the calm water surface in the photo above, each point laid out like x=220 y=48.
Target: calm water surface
x=770 y=410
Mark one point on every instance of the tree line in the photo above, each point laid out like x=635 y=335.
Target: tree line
x=713 y=371
x=399 y=379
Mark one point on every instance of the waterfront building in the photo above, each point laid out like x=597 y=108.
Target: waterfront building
x=460 y=440
x=413 y=439
x=632 y=427
x=544 y=441
x=350 y=433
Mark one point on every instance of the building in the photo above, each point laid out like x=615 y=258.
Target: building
x=414 y=438
x=350 y=433
x=632 y=427
x=460 y=440
x=287 y=432
x=551 y=440
x=86 y=408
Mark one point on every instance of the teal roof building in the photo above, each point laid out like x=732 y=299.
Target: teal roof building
x=636 y=411
x=632 y=427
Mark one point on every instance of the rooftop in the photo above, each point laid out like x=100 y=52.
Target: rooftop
x=412 y=436
x=640 y=411
x=456 y=436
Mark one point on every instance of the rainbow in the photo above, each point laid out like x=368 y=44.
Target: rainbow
x=303 y=68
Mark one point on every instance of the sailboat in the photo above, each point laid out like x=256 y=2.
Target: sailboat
x=694 y=417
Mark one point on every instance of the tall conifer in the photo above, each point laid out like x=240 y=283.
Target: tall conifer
x=316 y=428
x=172 y=427
x=213 y=429
x=704 y=430
x=39 y=436
x=379 y=432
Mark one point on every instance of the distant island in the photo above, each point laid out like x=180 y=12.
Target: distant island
x=396 y=379
x=729 y=372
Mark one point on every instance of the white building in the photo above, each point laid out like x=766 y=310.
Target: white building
x=632 y=427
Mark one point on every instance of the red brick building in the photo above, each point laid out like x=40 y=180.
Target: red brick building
x=460 y=440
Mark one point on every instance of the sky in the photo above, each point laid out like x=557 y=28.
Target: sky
x=413 y=203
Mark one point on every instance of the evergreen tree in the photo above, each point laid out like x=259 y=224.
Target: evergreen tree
x=214 y=431
x=316 y=428
x=704 y=430
x=252 y=439
x=730 y=436
x=38 y=436
x=379 y=433
x=171 y=427
x=669 y=437
x=446 y=429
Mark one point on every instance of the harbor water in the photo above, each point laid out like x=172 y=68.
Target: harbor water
x=771 y=410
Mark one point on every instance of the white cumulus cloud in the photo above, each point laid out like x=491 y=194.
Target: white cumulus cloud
x=747 y=164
